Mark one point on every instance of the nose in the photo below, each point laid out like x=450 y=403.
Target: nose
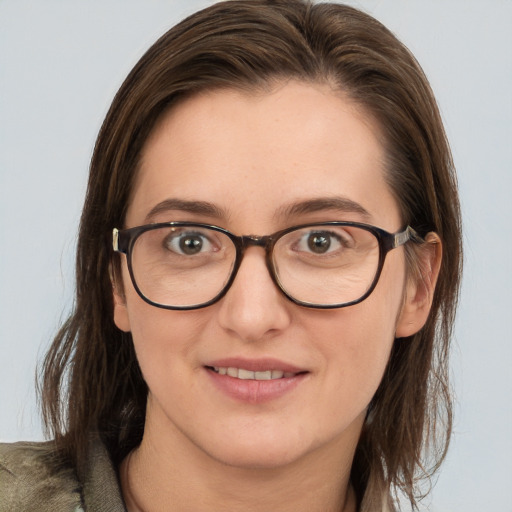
x=253 y=308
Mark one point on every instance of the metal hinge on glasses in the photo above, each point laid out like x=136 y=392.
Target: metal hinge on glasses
x=115 y=239
x=405 y=236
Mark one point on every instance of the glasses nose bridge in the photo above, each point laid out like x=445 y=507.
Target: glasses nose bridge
x=264 y=242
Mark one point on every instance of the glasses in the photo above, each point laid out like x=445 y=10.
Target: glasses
x=184 y=265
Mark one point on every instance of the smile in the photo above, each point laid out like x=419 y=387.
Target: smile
x=262 y=383
x=243 y=374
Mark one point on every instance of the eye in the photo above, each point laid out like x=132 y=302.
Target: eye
x=319 y=242
x=188 y=243
x=324 y=242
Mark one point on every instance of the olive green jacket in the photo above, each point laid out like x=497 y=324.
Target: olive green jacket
x=29 y=481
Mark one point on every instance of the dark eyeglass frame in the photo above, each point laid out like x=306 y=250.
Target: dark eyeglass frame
x=123 y=241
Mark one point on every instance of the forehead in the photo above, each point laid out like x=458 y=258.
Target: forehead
x=254 y=154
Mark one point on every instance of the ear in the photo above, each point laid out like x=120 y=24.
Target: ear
x=420 y=287
x=121 y=317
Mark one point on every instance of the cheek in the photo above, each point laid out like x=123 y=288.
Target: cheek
x=358 y=344
x=164 y=341
x=158 y=334
x=357 y=340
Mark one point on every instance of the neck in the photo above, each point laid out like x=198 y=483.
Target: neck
x=179 y=476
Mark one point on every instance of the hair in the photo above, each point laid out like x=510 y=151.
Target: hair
x=90 y=380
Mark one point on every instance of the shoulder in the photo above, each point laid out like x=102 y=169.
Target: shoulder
x=31 y=479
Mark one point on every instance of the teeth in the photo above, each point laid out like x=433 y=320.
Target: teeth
x=263 y=375
x=243 y=374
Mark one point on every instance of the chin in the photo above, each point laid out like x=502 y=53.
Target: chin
x=257 y=459
x=252 y=450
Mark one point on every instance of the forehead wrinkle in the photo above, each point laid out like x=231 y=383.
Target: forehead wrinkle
x=341 y=204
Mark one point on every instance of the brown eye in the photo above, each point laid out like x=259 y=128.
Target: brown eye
x=319 y=243
x=190 y=245
x=187 y=243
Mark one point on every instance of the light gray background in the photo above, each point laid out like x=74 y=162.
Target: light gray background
x=60 y=65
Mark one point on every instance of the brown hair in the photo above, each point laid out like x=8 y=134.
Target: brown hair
x=91 y=381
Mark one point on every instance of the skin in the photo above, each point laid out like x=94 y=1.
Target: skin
x=252 y=155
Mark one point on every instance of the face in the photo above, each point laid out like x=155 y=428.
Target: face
x=252 y=157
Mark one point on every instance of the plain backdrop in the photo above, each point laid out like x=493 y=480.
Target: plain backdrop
x=60 y=65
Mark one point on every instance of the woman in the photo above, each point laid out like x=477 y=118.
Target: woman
x=267 y=273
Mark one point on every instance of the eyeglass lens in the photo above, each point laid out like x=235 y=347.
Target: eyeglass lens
x=188 y=266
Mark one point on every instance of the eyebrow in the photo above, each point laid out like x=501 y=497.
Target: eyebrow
x=341 y=204
x=197 y=207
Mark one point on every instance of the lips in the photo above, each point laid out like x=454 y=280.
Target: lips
x=244 y=374
x=254 y=365
x=254 y=380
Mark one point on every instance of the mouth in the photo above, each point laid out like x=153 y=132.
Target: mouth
x=244 y=374
x=255 y=381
